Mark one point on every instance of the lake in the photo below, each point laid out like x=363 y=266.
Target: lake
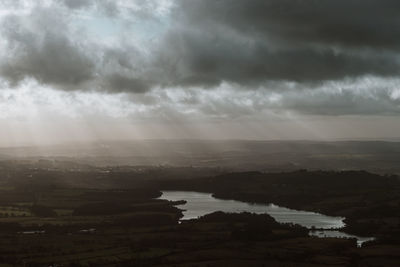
x=199 y=204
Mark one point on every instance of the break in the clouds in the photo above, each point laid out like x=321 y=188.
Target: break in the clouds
x=206 y=59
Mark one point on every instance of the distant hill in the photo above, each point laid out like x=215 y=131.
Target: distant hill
x=375 y=156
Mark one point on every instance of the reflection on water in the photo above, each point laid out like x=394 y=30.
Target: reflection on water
x=199 y=204
x=338 y=234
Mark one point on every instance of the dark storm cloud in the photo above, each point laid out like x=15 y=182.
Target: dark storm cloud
x=253 y=41
x=359 y=23
x=120 y=83
x=39 y=48
x=247 y=44
x=43 y=45
x=210 y=41
x=207 y=60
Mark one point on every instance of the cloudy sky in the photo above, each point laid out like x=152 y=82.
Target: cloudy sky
x=74 y=70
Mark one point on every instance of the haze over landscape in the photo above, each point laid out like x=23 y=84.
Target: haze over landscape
x=200 y=133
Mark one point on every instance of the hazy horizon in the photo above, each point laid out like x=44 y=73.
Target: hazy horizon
x=194 y=140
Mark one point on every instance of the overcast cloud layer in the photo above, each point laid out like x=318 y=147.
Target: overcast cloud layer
x=205 y=59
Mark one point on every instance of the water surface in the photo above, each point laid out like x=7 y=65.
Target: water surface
x=199 y=204
x=339 y=234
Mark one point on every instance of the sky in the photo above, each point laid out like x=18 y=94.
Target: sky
x=88 y=70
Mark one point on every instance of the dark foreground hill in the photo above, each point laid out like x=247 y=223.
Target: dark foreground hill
x=111 y=217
